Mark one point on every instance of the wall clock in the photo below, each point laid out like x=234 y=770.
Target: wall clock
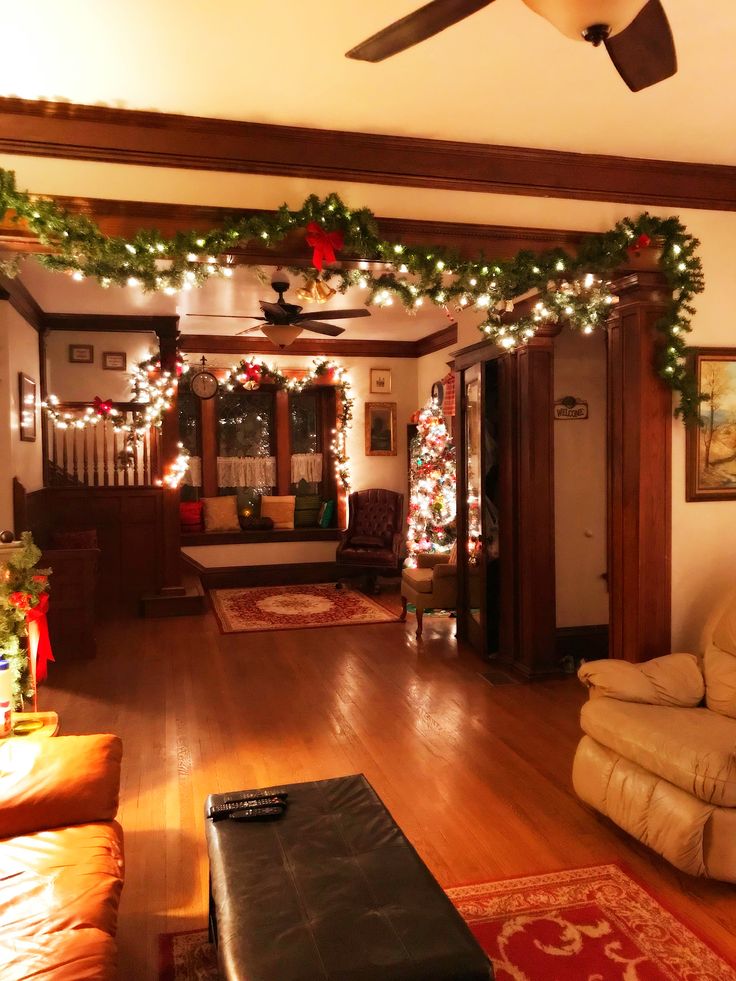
x=204 y=384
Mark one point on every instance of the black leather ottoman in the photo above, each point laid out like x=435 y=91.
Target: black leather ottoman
x=332 y=891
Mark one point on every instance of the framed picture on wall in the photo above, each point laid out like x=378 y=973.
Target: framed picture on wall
x=380 y=429
x=27 y=408
x=114 y=360
x=81 y=354
x=711 y=447
x=380 y=381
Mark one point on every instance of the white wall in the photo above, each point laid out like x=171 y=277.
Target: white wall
x=580 y=482
x=81 y=382
x=18 y=353
x=432 y=368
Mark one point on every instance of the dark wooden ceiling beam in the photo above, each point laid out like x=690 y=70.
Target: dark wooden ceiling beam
x=54 y=129
x=125 y=218
x=13 y=290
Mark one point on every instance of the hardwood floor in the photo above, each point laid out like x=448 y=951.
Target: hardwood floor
x=477 y=776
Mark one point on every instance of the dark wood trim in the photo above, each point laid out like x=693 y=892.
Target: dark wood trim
x=163 y=325
x=444 y=337
x=283 y=442
x=586 y=643
x=254 y=537
x=222 y=344
x=76 y=132
x=639 y=473
x=14 y=291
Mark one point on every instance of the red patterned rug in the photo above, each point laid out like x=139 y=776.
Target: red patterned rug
x=591 y=924
x=294 y=608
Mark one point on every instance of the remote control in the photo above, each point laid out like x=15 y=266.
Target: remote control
x=220 y=811
x=256 y=813
x=248 y=795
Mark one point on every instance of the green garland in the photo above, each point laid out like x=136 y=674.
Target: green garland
x=572 y=287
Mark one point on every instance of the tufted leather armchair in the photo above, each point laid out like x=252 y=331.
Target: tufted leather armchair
x=374 y=537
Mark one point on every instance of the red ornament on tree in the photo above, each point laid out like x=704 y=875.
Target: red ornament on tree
x=324 y=244
x=642 y=242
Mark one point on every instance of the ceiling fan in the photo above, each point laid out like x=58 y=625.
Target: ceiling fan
x=283 y=322
x=636 y=33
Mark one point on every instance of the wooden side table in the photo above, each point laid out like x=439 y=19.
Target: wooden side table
x=49 y=724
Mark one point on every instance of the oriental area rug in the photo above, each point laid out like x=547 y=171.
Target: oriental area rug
x=294 y=608
x=593 y=924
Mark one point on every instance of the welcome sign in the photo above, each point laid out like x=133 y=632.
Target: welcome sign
x=570 y=407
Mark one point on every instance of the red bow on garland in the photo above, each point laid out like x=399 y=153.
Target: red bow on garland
x=642 y=242
x=324 y=244
x=39 y=644
x=100 y=407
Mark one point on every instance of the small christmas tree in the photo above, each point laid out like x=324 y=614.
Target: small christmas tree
x=432 y=486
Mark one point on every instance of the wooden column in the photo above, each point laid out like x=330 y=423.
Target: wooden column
x=209 y=436
x=640 y=479
x=534 y=654
x=171 y=528
x=283 y=443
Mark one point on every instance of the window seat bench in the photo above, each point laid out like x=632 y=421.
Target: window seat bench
x=259 y=536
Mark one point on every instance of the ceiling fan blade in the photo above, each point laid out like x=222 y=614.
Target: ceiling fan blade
x=332 y=315
x=415 y=27
x=330 y=330
x=226 y=316
x=248 y=330
x=644 y=53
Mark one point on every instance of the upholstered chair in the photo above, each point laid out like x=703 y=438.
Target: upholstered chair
x=373 y=542
x=431 y=585
x=659 y=752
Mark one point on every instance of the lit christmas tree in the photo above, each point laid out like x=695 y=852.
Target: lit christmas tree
x=432 y=482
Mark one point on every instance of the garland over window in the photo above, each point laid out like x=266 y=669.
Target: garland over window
x=572 y=287
x=250 y=374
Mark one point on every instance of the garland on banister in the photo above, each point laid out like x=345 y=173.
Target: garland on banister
x=572 y=287
x=249 y=374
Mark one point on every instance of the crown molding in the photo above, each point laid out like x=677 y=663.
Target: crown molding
x=107 y=135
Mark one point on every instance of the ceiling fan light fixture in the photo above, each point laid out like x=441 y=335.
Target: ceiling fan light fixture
x=579 y=18
x=281 y=336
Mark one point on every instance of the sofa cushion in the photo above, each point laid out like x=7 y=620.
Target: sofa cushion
x=719 y=667
x=221 y=513
x=65 y=879
x=279 y=509
x=693 y=748
x=420 y=580
x=86 y=954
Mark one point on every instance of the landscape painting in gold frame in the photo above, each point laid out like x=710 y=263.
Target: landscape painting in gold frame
x=711 y=447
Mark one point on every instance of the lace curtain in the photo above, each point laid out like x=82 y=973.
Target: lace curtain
x=306 y=466
x=236 y=471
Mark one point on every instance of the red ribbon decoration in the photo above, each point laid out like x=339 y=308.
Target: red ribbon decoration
x=324 y=244
x=100 y=407
x=39 y=644
x=642 y=242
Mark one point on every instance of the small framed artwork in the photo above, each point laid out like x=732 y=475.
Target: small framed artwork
x=114 y=361
x=380 y=429
x=27 y=408
x=81 y=354
x=711 y=447
x=380 y=381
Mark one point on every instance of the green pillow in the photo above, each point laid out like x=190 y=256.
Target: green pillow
x=306 y=510
x=326 y=513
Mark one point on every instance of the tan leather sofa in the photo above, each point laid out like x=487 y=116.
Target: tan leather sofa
x=61 y=858
x=431 y=585
x=659 y=752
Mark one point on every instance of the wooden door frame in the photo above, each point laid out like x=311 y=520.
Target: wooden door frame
x=639 y=506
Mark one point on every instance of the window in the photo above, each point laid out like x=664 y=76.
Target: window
x=305 y=437
x=246 y=460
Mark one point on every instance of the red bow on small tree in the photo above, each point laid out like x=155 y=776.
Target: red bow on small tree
x=324 y=244
x=100 y=407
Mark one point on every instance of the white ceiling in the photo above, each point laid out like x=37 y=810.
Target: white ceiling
x=57 y=293
x=503 y=75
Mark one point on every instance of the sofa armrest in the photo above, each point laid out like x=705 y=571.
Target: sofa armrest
x=51 y=783
x=432 y=559
x=675 y=679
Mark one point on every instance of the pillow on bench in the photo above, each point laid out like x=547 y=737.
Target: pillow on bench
x=220 y=513
x=280 y=510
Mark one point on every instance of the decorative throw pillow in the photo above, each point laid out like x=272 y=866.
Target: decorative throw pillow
x=190 y=516
x=74 y=539
x=280 y=510
x=325 y=514
x=220 y=513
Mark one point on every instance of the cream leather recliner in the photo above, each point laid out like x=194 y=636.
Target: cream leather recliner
x=659 y=752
